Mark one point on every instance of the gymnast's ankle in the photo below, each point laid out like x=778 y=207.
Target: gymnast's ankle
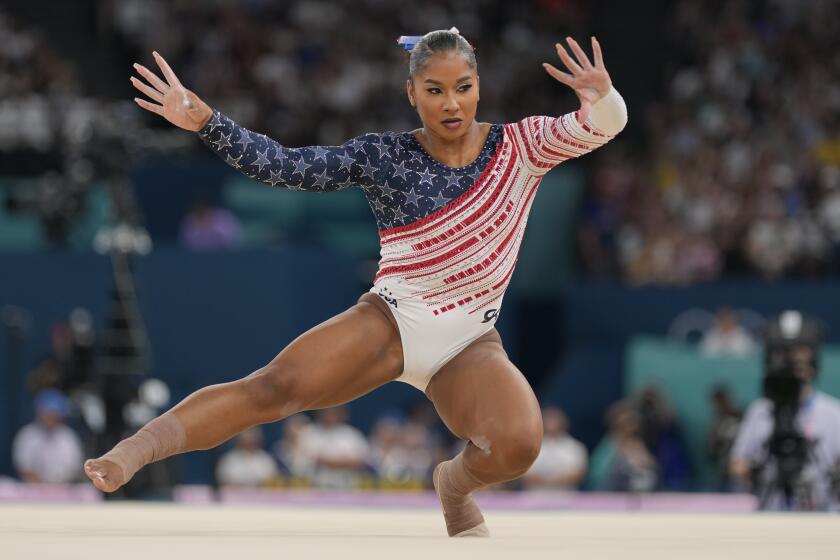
x=162 y=437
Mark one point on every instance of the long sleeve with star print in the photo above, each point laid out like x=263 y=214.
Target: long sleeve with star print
x=358 y=162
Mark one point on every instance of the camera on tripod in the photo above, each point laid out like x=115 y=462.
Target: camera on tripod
x=791 y=363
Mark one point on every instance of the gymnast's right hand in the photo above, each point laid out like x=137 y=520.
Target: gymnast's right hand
x=173 y=101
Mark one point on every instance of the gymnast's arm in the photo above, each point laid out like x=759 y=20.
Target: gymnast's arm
x=319 y=168
x=313 y=168
x=548 y=141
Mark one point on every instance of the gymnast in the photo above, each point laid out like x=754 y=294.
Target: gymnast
x=451 y=200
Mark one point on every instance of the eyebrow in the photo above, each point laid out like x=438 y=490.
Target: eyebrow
x=461 y=79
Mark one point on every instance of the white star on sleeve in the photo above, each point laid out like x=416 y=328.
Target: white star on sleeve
x=244 y=140
x=321 y=179
x=301 y=167
x=233 y=162
x=275 y=177
x=214 y=123
x=320 y=153
x=346 y=162
x=368 y=170
x=223 y=141
x=262 y=160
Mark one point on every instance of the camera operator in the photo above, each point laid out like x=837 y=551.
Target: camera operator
x=788 y=445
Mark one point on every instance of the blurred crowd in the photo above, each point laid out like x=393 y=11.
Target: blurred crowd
x=646 y=446
x=741 y=174
x=642 y=450
x=321 y=72
x=302 y=72
x=738 y=174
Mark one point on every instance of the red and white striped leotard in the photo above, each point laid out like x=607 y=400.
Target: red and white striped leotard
x=445 y=275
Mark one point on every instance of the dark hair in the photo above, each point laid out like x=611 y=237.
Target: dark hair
x=438 y=42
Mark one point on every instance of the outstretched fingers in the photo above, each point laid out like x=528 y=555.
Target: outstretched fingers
x=596 y=49
x=559 y=75
x=158 y=109
x=581 y=56
x=152 y=93
x=167 y=71
x=152 y=78
x=570 y=63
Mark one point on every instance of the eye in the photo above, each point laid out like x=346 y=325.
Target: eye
x=464 y=88
x=433 y=90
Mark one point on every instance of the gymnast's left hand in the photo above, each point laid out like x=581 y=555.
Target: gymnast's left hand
x=172 y=100
x=590 y=81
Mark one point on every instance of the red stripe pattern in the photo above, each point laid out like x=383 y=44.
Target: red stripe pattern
x=463 y=255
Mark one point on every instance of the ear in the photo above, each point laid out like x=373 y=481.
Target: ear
x=477 y=87
x=409 y=89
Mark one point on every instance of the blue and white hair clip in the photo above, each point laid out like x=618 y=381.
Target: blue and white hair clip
x=408 y=41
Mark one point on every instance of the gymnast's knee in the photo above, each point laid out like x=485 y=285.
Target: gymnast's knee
x=516 y=448
x=272 y=390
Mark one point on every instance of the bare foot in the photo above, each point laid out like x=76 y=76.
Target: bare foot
x=105 y=475
x=462 y=516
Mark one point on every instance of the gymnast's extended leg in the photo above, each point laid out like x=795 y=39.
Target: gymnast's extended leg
x=483 y=398
x=335 y=362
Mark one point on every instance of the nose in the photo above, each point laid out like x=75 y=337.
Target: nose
x=450 y=103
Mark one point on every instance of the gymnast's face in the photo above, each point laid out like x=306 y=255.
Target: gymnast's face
x=445 y=93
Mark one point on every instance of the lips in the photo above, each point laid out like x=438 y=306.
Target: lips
x=452 y=123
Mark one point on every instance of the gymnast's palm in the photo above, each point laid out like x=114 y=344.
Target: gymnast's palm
x=590 y=81
x=171 y=100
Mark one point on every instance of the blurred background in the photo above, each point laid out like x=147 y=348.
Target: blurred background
x=135 y=267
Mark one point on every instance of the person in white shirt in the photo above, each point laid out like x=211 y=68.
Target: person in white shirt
x=248 y=464
x=727 y=337
x=338 y=450
x=290 y=449
x=47 y=450
x=754 y=463
x=562 y=461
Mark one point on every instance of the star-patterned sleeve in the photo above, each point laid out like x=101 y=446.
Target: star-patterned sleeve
x=549 y=141
x=312 y=168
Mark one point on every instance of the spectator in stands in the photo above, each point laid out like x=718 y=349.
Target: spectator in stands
x=402 y=452
x=69 y=363
x=721 y=435
x=291 y=451
x=660 y=431
x=633 y=467
x=338 y=450
x=247 y=464
x=561 y=464
x=387 y=454
x=421 y=452
x=208 y=227
x=47 y=450
x=726 y=336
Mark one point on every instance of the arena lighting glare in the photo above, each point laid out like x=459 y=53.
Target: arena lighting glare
x=154 y=393
x=790 y=324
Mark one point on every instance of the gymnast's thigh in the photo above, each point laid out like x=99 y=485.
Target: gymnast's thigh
x=341 y=359
x=480 y=391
